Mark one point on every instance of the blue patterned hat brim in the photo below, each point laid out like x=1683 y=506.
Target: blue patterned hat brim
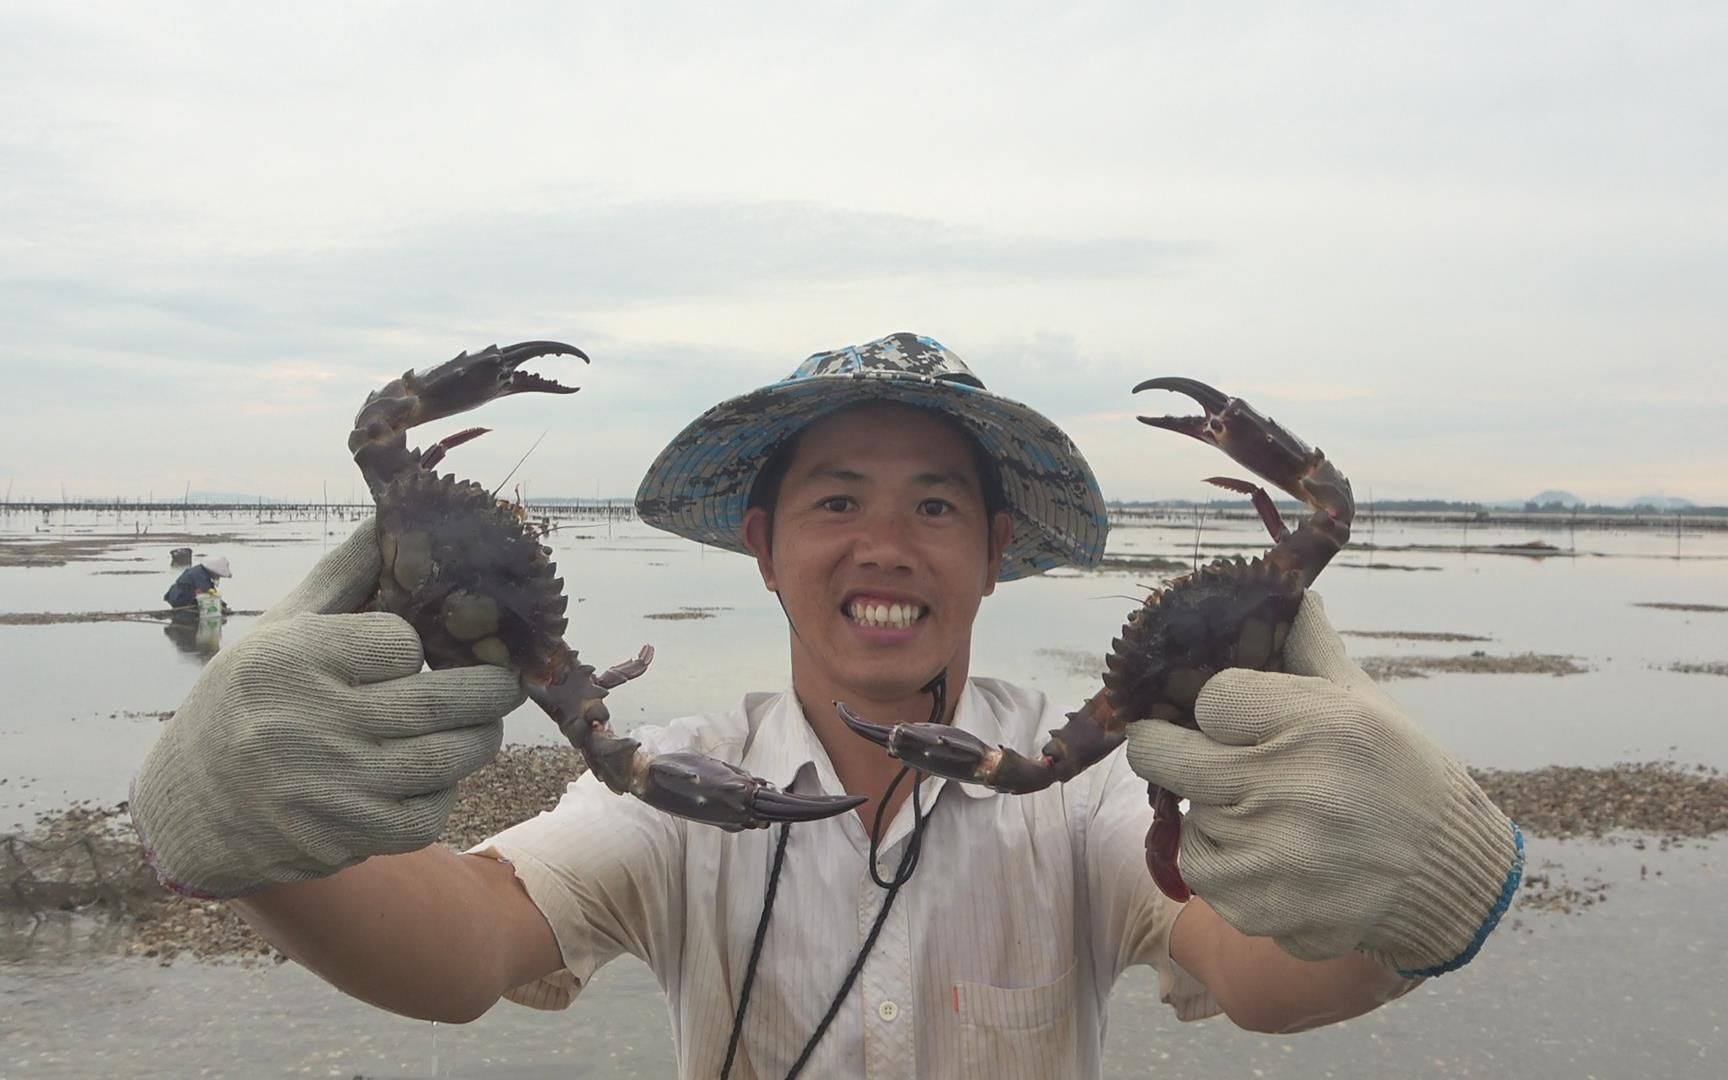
x=700 y=484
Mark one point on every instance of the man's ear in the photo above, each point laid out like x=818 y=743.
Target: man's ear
x=757 y=538
x=1001 y=531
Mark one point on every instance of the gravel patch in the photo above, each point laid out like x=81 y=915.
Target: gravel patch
x=1413 y=635
x=1140 y=564
x=1477 y=663
x=1681 y=607
x=85 y=858
x=1714 y=668
x=1654 y=797
x=687 y=613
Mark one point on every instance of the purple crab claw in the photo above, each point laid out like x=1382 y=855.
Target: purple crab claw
x=463 y=382
x=1257 y=441
x=714 y=792
x=685 y=784
x=470 y=380
x=945 y=750
x=467 y=381
x=1274 y=454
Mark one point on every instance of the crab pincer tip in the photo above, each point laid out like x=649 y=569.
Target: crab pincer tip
x=528 y=350
x=876 y=733
x=1210 y=398
x=771 y=805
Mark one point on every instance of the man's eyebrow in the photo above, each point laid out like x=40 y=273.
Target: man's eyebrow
x=835 y=472
x=944 y=478
x=933 y=478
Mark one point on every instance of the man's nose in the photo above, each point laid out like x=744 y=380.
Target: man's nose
x=884 y=540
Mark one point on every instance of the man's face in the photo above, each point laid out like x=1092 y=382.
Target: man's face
x=880 y=549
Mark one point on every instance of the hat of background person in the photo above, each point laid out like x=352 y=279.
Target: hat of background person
x=699 y=486
x=217 y=566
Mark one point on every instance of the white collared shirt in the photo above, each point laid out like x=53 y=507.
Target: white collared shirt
x=996 y=959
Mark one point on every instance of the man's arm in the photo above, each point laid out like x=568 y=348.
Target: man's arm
x=432 y=934
x=1263 y=988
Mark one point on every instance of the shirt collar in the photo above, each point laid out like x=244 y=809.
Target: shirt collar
x=782 y=742
x=974 y=716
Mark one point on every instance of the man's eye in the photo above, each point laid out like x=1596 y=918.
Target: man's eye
x=836 y=504
x=935 y=507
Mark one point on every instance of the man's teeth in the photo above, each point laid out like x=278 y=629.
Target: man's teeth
x=895 y=615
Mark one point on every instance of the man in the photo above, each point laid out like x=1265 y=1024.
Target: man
x=942 y=929
x=195 y=581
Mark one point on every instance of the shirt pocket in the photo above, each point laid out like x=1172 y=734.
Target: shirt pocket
x=1022 y=1032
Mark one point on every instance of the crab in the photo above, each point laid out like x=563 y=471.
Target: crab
x=474 y=581
x=1233 y=612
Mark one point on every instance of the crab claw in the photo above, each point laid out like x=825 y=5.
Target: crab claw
x=945 y=750
x=1238 y=429
x=1212 y=400
x=464 y=382
x=468 y=381
x=685 y=784
x=714 y=792
x=1270 y=450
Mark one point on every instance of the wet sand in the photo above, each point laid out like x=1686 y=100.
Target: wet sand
x=55 y=618
x=53 y=549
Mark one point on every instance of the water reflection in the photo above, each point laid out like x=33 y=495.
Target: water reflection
x=197 y=637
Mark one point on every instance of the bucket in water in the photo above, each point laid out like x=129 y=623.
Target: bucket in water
x=209 y=606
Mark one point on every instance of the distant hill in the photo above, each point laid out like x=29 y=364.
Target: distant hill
x=1554 y=496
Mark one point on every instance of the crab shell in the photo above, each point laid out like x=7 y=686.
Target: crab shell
x=1230 y=613
x=460 y=567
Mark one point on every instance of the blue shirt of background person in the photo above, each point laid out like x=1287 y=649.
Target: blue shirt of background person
x=195 y=580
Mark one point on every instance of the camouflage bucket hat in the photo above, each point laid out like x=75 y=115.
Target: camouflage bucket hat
x=699 y=486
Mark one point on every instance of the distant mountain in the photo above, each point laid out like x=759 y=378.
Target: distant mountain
x=1552 y=495
x=1662 y=502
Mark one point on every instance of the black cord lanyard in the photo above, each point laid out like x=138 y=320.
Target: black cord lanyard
x=937 y=688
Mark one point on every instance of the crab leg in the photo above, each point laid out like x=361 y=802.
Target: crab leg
x=1091 y=733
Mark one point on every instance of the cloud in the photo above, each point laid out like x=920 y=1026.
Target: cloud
x=1448 y=243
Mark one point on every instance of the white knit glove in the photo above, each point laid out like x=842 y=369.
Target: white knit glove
x=1322 y=817
x=314 y=743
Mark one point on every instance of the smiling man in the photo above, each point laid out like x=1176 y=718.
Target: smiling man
x=942 y=929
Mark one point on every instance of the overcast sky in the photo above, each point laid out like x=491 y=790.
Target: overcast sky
x=1472 y=252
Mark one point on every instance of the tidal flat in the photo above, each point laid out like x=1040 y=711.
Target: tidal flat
x=1613 y=768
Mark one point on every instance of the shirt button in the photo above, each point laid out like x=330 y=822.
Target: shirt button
x=888 y=1010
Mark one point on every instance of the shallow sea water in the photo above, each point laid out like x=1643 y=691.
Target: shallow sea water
x=1629 y=987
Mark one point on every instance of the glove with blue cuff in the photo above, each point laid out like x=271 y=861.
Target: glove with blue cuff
x=1322 y=817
